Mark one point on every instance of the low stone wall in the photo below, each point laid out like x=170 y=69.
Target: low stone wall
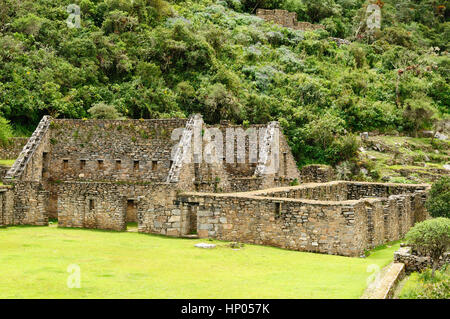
x=13 y=149
x=344 y=227
x=414 y=262
x=316 y=174
x=288 y=223
x=3 y=170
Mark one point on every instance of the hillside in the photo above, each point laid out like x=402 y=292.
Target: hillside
x=152 y=58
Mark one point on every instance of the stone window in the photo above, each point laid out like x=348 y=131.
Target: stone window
x=91 y=204
x=154 y=165
x=136 y=165
x=65 y=164
x=82 y=164
x=44 y=164
x=100 y=164
x=277 y=209
x=170 y=164
x=285 y=163
x=118 y=164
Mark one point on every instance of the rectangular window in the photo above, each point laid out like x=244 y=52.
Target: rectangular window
x=91 y=204
x=82 y=164
x=100 y=164
x=277 y=209
x=65 y=164
x=118 y=164
x=170 y=164
x=136 y=165
x=154 y=165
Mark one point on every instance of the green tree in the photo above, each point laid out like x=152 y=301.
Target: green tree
x=431 y=238
x=438 y=202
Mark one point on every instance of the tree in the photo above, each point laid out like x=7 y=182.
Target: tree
x=104 y=111
x=431 y=238
x=5 y=131
x=438 y=203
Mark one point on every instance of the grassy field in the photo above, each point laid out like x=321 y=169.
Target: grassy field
x=6 y=162
x=34 y=262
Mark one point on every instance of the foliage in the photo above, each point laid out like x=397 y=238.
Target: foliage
x=159 y=59
x=5 y=131
x=426 y=286
x=430 y=238
x=438 y=202
x=104 y=111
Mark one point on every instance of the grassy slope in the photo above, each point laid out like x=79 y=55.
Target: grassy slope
x=414 y=153
x=34 y=261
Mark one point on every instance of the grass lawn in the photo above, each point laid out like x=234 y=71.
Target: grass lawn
x=34 y=261
x=6 y=162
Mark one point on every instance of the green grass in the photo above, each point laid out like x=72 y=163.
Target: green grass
x=34 y=261
x=6 y=162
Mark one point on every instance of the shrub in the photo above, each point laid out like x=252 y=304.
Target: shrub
x=431 y=238
x=438 y=203
x=104 y=111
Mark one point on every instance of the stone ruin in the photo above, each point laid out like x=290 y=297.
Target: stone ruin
x=103 y=174
x=286 y=19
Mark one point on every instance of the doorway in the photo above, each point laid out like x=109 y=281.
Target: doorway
x=191 y=220
x=131 y=215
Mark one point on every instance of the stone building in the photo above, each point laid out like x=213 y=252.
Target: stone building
x=104 y=174
x=287 y=19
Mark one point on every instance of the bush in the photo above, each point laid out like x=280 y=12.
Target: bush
x=430 y=238
x=438 y=203
x=104 y=111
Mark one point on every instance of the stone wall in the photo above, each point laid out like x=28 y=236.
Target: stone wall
x=30 y=201
x=13 y=148
x=288 y=223
x=277 y=218
x=103 y=205
x=317 y=174
x=6 y=206
x=286 y=19
x=106 y=150
x=415 y=262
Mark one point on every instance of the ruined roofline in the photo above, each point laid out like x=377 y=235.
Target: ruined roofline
x=120 y=120
x=20 y=165
x=260 y=193
x=245 y=195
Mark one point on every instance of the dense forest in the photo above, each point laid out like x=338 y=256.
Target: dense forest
x=156 y=58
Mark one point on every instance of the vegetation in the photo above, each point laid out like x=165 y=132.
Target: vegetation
x=431 y=238
x=6 y=162
x=151 y=59
x=133 y=265
x=425 y=286
x=438 y=202
x=104 y=111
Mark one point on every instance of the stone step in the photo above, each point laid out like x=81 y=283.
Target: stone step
x=192 y=236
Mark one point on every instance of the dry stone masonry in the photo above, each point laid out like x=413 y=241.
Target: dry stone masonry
x=103 y=174
x=287 y=19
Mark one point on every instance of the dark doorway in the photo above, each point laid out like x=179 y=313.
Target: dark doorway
x=192 y=220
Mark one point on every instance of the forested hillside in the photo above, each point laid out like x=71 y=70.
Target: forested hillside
x=155 y=58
